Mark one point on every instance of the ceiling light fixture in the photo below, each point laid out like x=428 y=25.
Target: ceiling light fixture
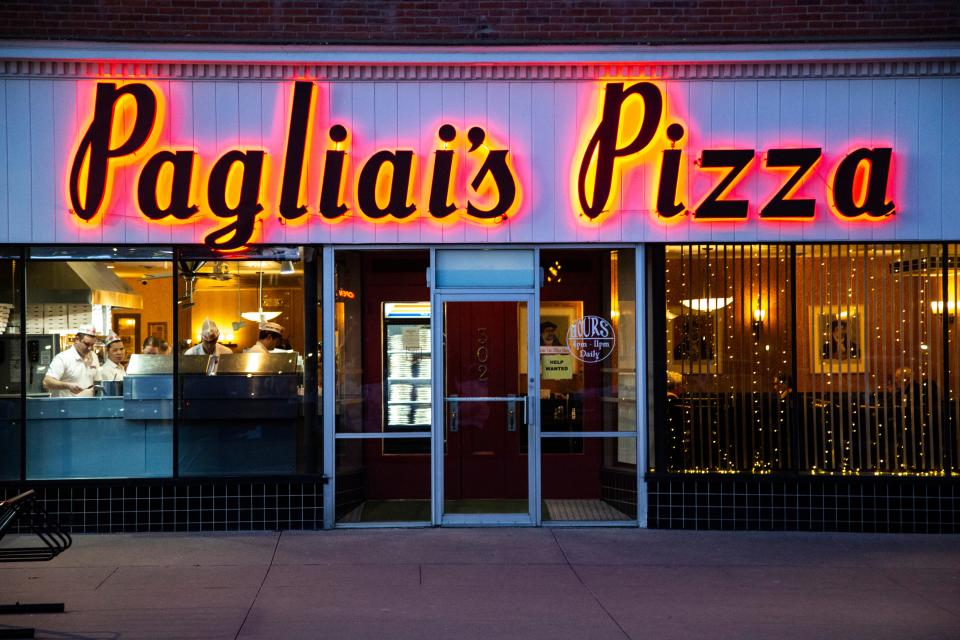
x=706 y=304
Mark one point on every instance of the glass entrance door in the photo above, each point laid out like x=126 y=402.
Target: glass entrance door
x=486 y=474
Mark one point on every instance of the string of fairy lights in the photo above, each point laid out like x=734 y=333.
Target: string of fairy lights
x=735 y=405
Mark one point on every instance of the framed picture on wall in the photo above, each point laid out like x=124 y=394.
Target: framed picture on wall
x=555 y=320
x=836 y=339
x=694 y=342
x=158 y=330
x=558 y=366
x=127 y=326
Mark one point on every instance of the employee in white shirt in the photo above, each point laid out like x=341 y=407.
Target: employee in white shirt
x=270 y=336
x=72 y=373
x=112 y=368
x=208 y=345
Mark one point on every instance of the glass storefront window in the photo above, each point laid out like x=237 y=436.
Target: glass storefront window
x=98 y=405
x=241 y=367
x=728 y=328
x=608 y=494
x=369 y=491
x=824 y=358
x=588 y=383
x=11 y=366
x=383 y=386
x=945 y=308
x=870 y=358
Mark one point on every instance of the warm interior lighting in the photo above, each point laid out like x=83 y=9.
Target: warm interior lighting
x=937 y=306
x=553 y=272
x=706 y=304
x=224 y=337
x=406 y=309
x=260 y=316
x=759 y=315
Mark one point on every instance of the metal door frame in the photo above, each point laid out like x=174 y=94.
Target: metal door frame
x=437 y=301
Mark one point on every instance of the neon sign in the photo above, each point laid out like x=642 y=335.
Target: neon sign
x=236 y=181
x=856 y=190
x=631 y=127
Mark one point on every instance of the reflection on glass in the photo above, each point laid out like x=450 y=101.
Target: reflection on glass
x=368 y=488
x=349 y=335
x=92 y=413
x=241 y=380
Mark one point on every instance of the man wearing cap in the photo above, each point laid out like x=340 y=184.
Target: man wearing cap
x=112 y=368
x=208 y=345
x=72 y=373
x=271 y=334
x=548 y=335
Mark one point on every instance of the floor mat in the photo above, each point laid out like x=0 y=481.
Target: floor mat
x=582 y=510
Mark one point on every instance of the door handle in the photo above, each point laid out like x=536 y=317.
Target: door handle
x=512 y=412
x=454 y=427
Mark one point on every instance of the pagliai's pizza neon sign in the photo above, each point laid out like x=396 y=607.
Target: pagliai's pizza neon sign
x=173 y=185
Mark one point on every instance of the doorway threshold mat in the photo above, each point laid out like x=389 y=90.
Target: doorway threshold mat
x=582 y=511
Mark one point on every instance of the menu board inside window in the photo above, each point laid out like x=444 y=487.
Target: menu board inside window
x=407 y=374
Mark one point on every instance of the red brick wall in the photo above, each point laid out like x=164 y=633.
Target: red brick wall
x=480 y=21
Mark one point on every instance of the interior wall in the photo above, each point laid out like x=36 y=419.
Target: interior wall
x=224 y=306
x=157 y=305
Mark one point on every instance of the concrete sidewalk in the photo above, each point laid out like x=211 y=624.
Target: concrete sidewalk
x=495 y=583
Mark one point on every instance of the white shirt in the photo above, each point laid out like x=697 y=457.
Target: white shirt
x=112 y=371
x=257 y=348
x=69 y=366
x=197 y=350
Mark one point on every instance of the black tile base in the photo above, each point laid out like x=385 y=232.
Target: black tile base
x=234 y=505
x=619 y=489
x=881 y=505
x=874 y=505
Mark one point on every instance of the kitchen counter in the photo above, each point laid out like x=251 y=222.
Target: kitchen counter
x=96 y=438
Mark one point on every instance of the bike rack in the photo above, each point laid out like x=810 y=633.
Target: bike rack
x=24 y=510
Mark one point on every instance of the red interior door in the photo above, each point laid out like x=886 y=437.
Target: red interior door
x=485 y=456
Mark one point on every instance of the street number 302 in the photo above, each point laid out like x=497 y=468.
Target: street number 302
x=482 y=353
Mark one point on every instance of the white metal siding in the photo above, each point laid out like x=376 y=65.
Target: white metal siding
x=543 y=124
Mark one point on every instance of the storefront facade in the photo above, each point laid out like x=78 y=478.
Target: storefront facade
x=670 y=288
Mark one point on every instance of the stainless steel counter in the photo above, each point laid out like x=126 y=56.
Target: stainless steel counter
x=70 y=408
x=240 y=386
x=241 y=419
x=97 y=438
